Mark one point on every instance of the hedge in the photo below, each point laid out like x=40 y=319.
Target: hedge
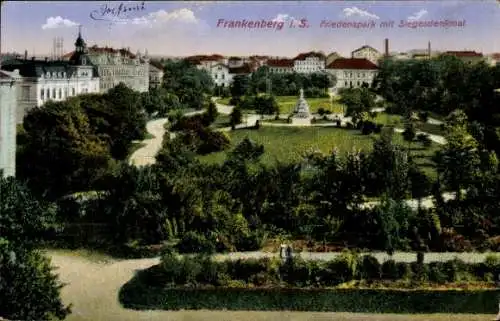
x=300 y=299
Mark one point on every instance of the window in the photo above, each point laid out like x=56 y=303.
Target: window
x=42 y=94
x=65 y=92
x=53 y=93
x=72 y=91
x=60 y=93
x=346 y=83
x=223 y=76
x=26 y=92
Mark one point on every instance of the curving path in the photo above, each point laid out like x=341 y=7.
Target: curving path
x=93 y=287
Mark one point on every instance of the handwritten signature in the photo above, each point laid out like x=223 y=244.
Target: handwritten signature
x=118 y=12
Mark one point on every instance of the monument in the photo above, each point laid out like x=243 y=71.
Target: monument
x=301 y=115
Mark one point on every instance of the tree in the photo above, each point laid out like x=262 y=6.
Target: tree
x=409 y=133
x=29 y=290
x=240 y=86
x=393 y=218
x=458 y=162
x=211 y=113
x=247 y=150
x=358 y=102
x=69 y=155
x=235 y=116
x=24 y=220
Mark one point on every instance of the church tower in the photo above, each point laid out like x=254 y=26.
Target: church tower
x=80 y=45
x=79 y=56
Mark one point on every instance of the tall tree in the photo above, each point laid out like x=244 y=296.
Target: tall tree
x=458 y=162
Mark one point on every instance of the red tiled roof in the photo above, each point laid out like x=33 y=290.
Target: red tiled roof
x=352 y=63
x=245 y=69
x=464 y=53
x=280 y=63
x=496 y=56
x=303 y=56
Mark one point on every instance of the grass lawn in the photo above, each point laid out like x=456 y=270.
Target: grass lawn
x=289 y=144
x=287 y=103
x=398 y=121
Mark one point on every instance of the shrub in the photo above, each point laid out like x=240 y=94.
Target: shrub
x=214 y=142
x=257 y=124
x=234 y=101
x=423 y=116
x=390 y=270
x=193 y=242
x=313 y=120
x=252 y=242
x=378 y=128
x=328 y=112
x=370 y=267
x=321 y=111
x=350 y=125
x=367 y=128
x=339 y=123
x=424 y=139
x=437 y=272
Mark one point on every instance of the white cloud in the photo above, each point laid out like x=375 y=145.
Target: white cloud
x=282 y=17
x=356 y=12
x=161 y=17
x=58 y=22
x=418 y=15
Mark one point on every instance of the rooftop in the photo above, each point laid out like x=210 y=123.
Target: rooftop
x=464 y=53
x=311 y=54
x=352 y=63
x=280 y=63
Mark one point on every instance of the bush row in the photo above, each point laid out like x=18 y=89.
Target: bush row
x=202 y=270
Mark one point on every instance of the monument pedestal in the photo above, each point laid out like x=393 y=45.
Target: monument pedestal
x=296 y=121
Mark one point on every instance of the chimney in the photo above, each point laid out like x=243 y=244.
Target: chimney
x=26 y=55
x=386 y=49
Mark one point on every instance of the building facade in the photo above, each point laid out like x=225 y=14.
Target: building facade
x=469 y=57
x=309 y=62
x=220 y=75
x=156 y=74
x=51 y=80
x=8 y=104
x=352 y=73
x=280 y=66
x=113 y=66
x=367 y=52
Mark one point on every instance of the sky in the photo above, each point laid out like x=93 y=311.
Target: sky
x=182 y=28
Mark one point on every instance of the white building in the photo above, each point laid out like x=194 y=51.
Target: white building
x=309 y=62
x=220 y=75
x=51 y=80
x=113 y=66
x=368 y=53
x=8 y=103
x=280 y=65
x=352 y=72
